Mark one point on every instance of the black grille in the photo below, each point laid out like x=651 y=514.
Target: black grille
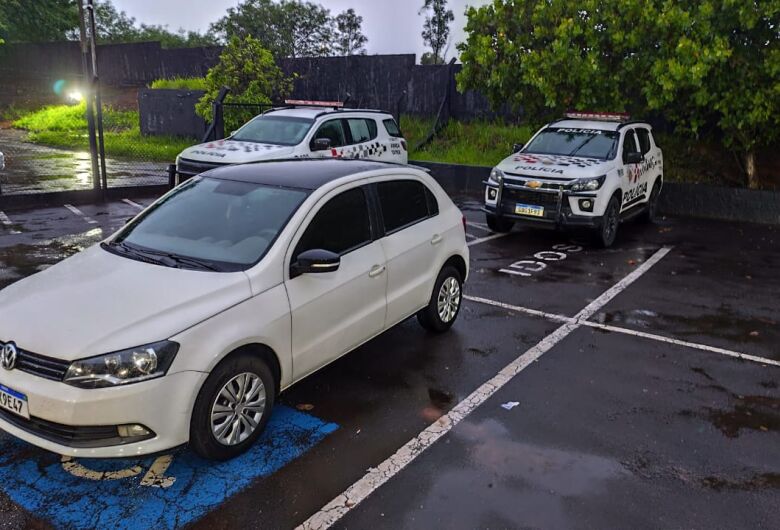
x=548 y=200
x=67 y=435
x=40 y=365
x=193 y=167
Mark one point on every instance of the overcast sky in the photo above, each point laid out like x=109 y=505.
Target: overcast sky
x=392 y=26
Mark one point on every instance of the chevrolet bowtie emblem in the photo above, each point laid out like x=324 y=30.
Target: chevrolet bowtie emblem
x=533 y=184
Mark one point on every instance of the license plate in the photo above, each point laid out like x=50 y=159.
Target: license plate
x=14 y=401
x=529 y=209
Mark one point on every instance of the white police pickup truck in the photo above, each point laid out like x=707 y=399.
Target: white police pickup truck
x=301 y=129
x=589 y=170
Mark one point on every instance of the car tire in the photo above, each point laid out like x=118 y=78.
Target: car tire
x=444 y=306
x=610 y=221
x=497 y=224
x=221 y=397
x=651 y=211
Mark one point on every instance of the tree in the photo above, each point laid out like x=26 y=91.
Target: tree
x=37 y=21
x=428 y=58
x=250 y=72
x=712 y=63
x=289 y=28
x=349 y=38
x=436 y=29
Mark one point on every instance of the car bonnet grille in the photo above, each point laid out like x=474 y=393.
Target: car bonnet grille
x=40 y=365
x=194 y=167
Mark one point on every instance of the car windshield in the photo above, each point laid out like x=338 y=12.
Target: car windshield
x=210 y=224
x=590 y=143
x=278 y=130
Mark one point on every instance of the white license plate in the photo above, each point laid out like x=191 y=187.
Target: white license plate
x=14 y=401
x=529 y=209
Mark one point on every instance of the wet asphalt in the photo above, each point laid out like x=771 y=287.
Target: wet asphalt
x=612 y=430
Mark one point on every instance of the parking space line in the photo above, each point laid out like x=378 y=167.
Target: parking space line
x=479 y=226
x=470 y=236
x=487 y=238
x=81 y=214
x=133 y=204
x=7 y=222
x=376 y=477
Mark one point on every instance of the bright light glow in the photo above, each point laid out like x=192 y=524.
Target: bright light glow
x=75 y=96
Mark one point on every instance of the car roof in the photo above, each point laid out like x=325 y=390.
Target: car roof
x=299 y=173
x=315 y=112
x=600 y=125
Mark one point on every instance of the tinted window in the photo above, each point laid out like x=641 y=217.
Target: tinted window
x=340 y=226
x=591 y=143
x=225 y=222
x=629 y=144
x=333 y=131
x=279 y=130
x=403 y=202
x=362 y=130
x=392 y=128
x=644 y=140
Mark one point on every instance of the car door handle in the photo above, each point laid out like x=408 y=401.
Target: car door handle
x=436 y=239
x=376 y=270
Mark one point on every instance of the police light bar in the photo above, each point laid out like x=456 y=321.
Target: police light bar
x=310 y=103
x=601 y=116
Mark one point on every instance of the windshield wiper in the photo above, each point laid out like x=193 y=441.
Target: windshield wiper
x=121 y=248
x=183 y=260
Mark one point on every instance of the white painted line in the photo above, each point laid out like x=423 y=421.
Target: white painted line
x=486 y=238
x=7 y=222
x=133 y=204
x=470 y=236
x=81 y=214
x=479 y=226
x=376 y=477
x=518 y=309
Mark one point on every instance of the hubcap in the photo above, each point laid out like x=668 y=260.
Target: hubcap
x=238 y=408
x=449 y=299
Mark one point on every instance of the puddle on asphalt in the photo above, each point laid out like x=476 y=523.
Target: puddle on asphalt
x=748 y=412
x=763 y=481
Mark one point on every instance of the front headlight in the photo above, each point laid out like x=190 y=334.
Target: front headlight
x=588 y=184
x=496 y=175
x=123 y=367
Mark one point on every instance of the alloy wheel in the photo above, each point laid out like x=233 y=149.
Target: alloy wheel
x=238 y=408
x=448 y=300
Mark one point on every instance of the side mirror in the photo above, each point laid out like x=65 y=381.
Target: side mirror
x=315 y=261
x=321 y=144
x=517 y=147
x=634 y=157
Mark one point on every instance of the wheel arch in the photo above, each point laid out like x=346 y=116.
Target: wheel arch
x=457 y=261
x=263 y=352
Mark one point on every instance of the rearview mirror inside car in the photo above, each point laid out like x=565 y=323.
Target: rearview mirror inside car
x=321 y=144
x=517 y=147
x=315 y=261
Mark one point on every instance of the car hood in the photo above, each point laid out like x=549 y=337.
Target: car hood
x=234 y=152
x=555 y=166
x=97 y=302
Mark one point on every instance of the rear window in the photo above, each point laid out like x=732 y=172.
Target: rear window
x=392 y=128
x=404 y=203
x=362 y=130
x=644 y=140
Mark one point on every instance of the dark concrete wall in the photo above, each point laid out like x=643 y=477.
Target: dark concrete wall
x=170 y=112
x=677 y=199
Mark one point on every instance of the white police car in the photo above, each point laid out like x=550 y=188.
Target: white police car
x=302 y=129
x=590 y=169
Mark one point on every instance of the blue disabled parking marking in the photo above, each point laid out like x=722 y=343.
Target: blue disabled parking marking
x=38 y=481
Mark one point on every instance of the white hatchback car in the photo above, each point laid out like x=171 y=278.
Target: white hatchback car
x=186 y=324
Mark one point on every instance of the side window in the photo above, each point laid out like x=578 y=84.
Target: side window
x=644 y=140
x=333 y=131
x=433 y=204
x=392 y=128
x=629 y=144
x=340 y=226
x=361 y=130
x=403 y=202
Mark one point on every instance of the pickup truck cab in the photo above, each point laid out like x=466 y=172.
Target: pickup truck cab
x=302 y=129
x=589 y=170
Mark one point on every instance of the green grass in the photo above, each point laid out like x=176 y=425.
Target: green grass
x=476 y=143
x=180 y=83
x=65 y=126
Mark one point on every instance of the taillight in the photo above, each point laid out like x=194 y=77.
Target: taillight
x=403 y=144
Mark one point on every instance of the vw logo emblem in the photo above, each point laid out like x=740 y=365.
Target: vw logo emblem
x=8 y=356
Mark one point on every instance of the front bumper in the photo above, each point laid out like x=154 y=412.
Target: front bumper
x=77 y=422
x=556 y=204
